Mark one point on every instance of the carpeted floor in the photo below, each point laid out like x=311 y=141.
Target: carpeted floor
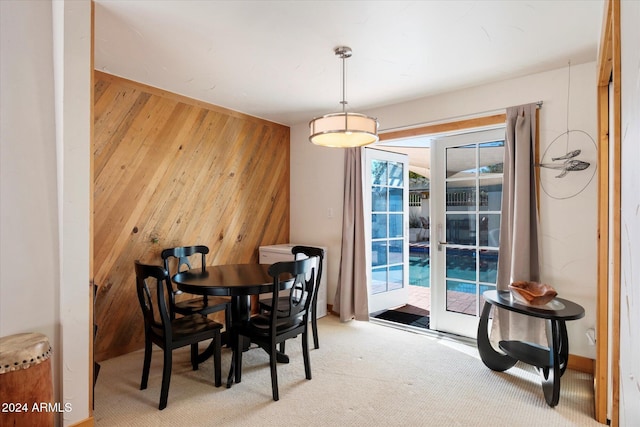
x=364 y=374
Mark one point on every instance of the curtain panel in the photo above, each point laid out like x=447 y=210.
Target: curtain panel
x=351 y=299
x=518 y=256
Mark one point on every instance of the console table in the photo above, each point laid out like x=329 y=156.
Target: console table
x=551 y=361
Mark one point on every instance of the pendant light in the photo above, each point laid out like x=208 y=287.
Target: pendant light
x=343 y=129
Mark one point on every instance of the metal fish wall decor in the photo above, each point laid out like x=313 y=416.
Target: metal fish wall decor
x=566 y=166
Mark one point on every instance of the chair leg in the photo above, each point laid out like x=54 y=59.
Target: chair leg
x=282 y=347
x=305 y=354
x=227 y=323
x=146 y=364
x=166 y=378
x=194 y=356
x=237 y=359
x=274 y=373
x=217 y=365
x=314 y=327
x=231 y=370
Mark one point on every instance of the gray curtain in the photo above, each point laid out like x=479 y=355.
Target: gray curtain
x=518 y=257
x=351 y=300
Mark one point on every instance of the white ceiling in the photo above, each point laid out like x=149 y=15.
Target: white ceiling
x=275 y=60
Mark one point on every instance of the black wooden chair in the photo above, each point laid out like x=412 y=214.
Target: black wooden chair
x=203 y=305
x=287 y=321
x=310 y=252
x=96 y=365
x=170 y=333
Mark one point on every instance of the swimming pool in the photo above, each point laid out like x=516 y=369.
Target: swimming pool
x=419 y=269
x=461 y=266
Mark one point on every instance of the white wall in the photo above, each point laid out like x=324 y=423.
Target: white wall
x=630 y=216
x=44 y=197
x=317 y=200
x=29 y=273
x=568 y=227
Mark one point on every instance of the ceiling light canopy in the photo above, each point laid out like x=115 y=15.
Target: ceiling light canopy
x=343 y=129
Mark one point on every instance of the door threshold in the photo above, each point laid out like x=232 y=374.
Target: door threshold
x=428 y=332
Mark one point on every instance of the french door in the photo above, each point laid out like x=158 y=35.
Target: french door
x=466 y=195
x=386 y=207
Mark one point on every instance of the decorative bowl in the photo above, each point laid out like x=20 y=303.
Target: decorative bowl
x=532 y=293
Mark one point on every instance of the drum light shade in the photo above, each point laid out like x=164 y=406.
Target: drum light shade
x=343 y=129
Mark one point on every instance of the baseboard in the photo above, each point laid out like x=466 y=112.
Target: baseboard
x=89 y=422
x=581 y=364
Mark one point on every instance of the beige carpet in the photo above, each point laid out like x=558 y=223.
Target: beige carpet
x=364 y=374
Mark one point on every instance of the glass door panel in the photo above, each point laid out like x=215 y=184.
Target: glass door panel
x=467 y=203
x=386 y=204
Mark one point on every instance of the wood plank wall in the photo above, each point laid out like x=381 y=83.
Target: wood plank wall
x=172 y=171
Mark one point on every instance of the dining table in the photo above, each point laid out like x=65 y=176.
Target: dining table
x=240 y=282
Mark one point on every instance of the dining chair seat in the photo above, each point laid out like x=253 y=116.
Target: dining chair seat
x=261 y=324
x=187 y=328
x=201 y=306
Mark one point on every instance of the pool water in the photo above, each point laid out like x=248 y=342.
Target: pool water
x=419 y=269
x=462 y=266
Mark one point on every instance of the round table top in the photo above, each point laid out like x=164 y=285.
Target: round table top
x=557 y=309
x=226 y=280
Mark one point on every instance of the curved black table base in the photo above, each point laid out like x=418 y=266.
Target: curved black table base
x=492 y=359
x=563 y=347
x=551 y=362
x=207 y=353
x=551 y=374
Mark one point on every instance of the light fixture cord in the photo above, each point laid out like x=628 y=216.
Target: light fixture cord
x=344 y=84
x=568 y=98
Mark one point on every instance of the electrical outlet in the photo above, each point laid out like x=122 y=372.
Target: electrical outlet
x=591 y=336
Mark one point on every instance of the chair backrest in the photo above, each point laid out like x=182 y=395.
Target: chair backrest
x=311 y=252
x=296 y=311
x=153 y=287
x=182 y=255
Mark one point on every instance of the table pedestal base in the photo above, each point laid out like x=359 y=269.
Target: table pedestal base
x=551 y=362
